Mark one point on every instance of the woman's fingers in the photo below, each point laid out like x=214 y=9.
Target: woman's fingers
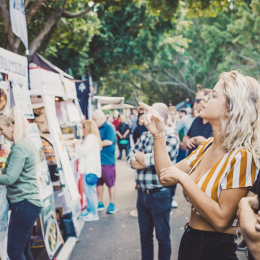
x=257 y=227
x=148 y=117
x=192 y=143
x=148 y=108
x=164 y=175
x=165 y=178
x=164 y=169
x=189 y=144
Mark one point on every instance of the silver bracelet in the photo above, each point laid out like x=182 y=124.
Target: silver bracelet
x=157 y=137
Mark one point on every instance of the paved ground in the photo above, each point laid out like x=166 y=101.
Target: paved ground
x=116 y=237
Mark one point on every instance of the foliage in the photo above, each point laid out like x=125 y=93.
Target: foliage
x=196 y=52
x=243 y=50
x=160 y=50
x=68 y=44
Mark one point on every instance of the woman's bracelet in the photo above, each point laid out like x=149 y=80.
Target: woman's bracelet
x=157 y=137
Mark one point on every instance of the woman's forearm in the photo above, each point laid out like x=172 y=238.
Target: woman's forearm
x=247 y=220
x=161 y=156
x=219 y=214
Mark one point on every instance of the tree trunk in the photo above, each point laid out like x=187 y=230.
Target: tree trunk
x=35 y=44
x=33 y=9
x=12 y=42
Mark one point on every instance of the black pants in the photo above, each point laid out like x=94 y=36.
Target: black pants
x=23 y=216
x=206 y=245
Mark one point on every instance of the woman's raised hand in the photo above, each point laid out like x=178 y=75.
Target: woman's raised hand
x=153 y=121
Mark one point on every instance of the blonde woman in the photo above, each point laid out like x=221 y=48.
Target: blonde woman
x=19 y=176
x=90 y=165
x=220 y=171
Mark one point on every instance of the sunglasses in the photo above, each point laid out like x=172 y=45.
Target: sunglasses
x=198 y=100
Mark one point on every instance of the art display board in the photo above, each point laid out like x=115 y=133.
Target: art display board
x=62 y=154
x=16 y=66
x=4 y=96
x=50 y=228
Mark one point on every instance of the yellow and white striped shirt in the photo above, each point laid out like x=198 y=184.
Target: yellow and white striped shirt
x=236 y=169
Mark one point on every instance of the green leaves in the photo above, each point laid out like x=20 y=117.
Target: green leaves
x=160 y=50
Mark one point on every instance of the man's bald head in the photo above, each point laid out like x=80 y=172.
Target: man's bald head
x=162 y=109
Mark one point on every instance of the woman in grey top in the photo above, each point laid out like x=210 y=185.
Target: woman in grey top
x=20 y=177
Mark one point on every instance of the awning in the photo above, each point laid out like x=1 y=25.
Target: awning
x=45 y=64
x=45 y=82
x=109 y=100
x=116 y=106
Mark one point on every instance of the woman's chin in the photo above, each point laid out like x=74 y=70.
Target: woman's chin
x=202 y=114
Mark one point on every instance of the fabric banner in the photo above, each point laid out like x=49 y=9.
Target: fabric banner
x=18 y=20
x=83 y=96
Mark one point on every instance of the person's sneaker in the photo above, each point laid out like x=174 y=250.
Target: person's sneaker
x=174 y=204
x=84 y=213
x=241 y=246
x=101 y=206
x=111 y=208
x=119 y=158
x=91 y=217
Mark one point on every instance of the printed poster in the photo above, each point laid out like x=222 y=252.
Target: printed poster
x=50 y=228
x=4 y=96
x=22 y=96
x=55 y=131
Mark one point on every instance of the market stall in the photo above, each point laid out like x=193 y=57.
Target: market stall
x=58 y=116
x=14 y=92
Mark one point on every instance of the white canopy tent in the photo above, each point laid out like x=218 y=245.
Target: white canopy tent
x=109 y=100
x=116 y=106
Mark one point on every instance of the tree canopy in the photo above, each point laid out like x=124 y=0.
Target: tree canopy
x=43 y=15
x=160 y=50
x=190 y=54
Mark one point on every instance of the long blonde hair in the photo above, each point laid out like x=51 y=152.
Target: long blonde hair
x=15 y=117
x=90 y=127
x=241 y=127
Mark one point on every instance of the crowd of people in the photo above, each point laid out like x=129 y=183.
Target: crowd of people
x=211 y=149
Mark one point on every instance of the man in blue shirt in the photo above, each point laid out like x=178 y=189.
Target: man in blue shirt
x=108 y=138
x=200 y=129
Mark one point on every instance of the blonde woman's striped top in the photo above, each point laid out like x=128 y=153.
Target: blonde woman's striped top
x=236 y=169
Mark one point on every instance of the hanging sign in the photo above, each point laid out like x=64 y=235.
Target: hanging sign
x=16 y=67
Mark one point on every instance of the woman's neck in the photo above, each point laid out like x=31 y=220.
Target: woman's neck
x=217 y=141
